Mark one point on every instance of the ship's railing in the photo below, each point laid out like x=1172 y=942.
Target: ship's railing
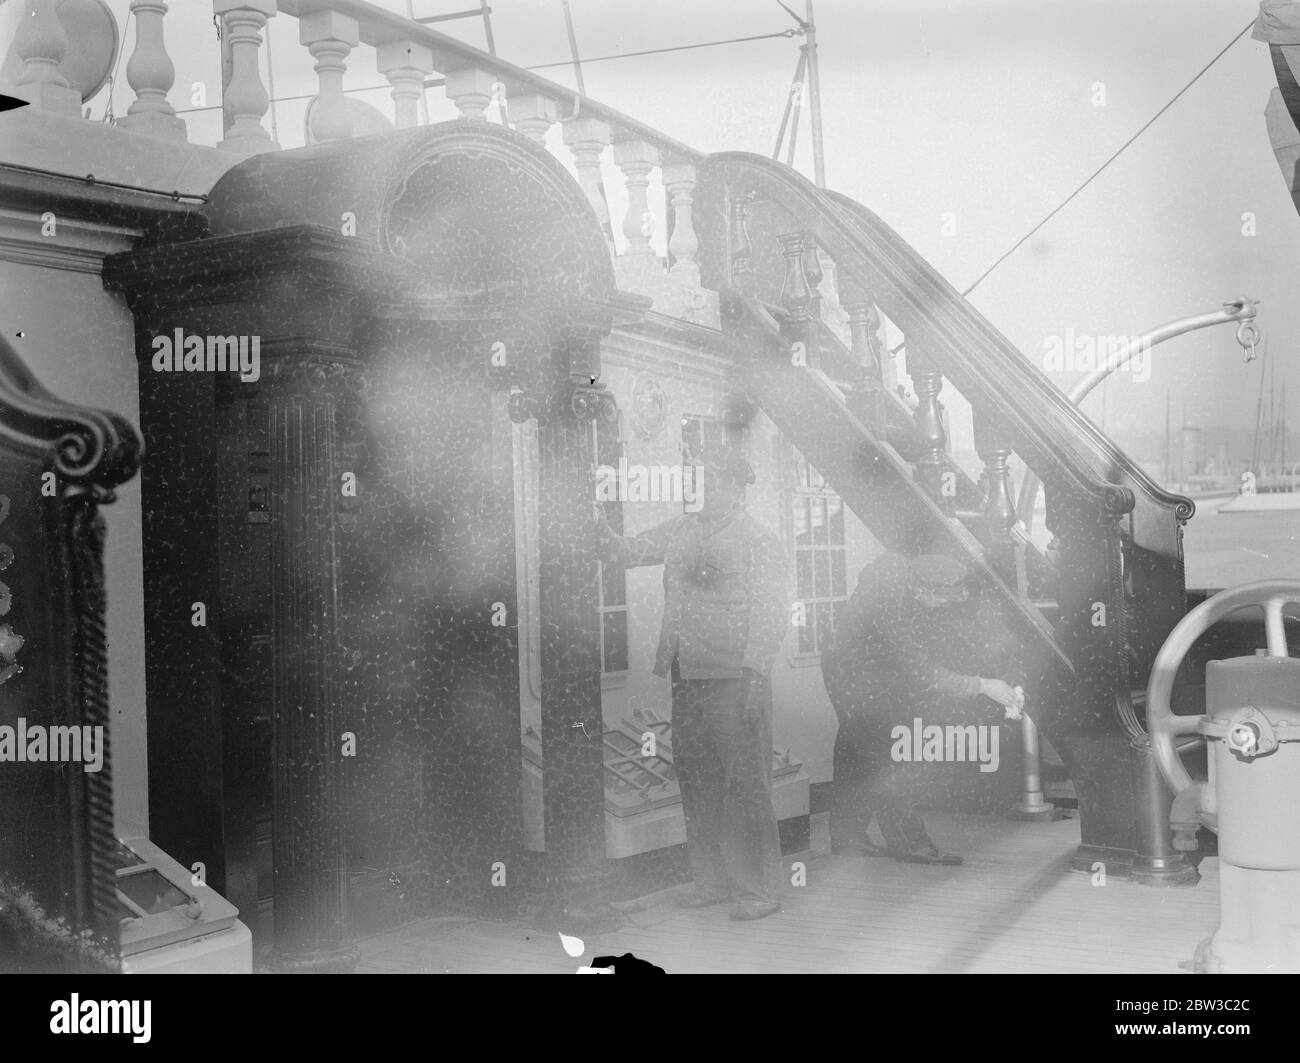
x=407 y=55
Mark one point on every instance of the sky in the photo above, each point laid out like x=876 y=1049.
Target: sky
x=961 y=124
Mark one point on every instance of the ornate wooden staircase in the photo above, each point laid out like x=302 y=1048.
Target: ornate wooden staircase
x=1080 y=629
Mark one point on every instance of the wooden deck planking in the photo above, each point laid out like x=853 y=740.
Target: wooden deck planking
x=1014 y=906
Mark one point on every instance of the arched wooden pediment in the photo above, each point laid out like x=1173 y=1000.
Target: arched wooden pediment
x=478 y=208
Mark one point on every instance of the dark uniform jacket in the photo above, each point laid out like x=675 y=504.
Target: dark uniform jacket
x=885 y=646
x=726 y=593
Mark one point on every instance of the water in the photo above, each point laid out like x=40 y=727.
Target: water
x=1223 y=550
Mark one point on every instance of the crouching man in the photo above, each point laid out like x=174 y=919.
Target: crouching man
x=726 y=612
x=886 y=654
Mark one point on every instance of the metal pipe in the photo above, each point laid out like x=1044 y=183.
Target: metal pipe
x=573 y=49
x=789 y=104
x=1239 y=310
x=1033 y=805
x=1156 y=861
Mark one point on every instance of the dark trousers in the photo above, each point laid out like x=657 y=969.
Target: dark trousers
x=723 y=756
x=866 y=783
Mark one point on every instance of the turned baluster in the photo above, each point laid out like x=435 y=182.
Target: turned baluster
x=636 y=158
x=330 y=36
x=246 y=98
x=587 y=138
x=932 y=471
x=470 y=89
x=796 y=294
x=41 y=43
x=993 y=445
x=812 y=267
x=405 y=64
x=739 y=250
x=684 y=245
x=151 y=73
x=533 y=115
x=869 y=390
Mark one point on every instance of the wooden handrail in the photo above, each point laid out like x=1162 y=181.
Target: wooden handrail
x=1048 y=431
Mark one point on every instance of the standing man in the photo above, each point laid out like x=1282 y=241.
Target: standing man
x=883 y=657
x=726 y=612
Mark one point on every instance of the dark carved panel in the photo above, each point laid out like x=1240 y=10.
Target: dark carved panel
x=358 y=675
x=58 y=464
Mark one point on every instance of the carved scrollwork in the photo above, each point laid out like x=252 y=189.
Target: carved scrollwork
x=593 y=403
x=91 y=448
x=575 y=402
x=1118 y=499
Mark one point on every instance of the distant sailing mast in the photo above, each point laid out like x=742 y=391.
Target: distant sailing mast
x=1268 y=484
x=794 y=101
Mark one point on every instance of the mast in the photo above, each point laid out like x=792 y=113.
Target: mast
x=1182 y=449
x=1168 y=473
x=808 y=58
x=1272 y=419
x=815 y=100
x=1259 y=412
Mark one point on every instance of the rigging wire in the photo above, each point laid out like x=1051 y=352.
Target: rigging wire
x=1097 y=172
x=434 y=82
x=676 y=48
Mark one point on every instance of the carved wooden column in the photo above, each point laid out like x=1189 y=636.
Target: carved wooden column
x=573 y=785
x=405 y=64
x=311 y=925
x=151 y=73
x=246 y=98
x=932 y=471
x=587 y=138
x=330 y=36
x=42 y=42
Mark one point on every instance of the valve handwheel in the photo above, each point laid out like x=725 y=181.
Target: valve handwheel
x=1163 y=725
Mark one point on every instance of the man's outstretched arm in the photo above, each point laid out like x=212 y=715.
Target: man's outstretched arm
x=632 y=551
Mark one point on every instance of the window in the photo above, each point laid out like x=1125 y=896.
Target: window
x=613 y=606
x=819 y=555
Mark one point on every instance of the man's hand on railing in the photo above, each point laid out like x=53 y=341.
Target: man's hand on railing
x=1012 y=699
